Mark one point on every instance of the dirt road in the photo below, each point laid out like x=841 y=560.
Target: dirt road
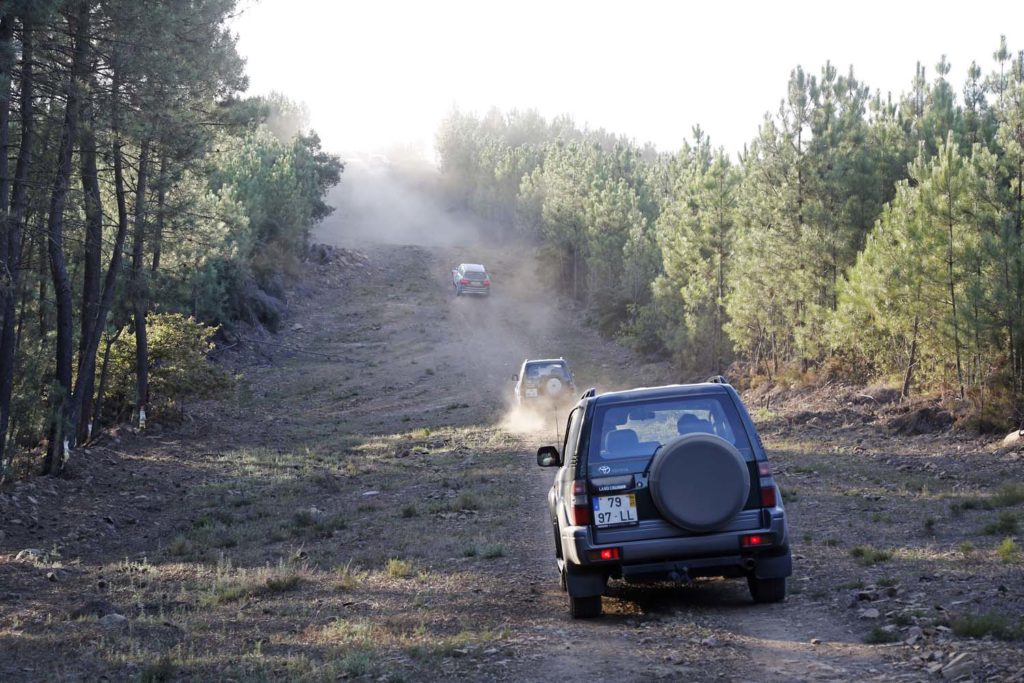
x=473 y=346
x=366 y=506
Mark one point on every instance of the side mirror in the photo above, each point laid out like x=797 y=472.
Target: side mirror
x=547 y=456
x=515 y=378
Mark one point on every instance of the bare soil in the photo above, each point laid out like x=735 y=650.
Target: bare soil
x=365 y=505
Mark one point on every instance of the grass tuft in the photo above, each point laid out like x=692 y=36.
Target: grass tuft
x=180 y=546
x=993 y=624
x=399 y=569
x=349 y=578
x=867 y=555
x=280 y=583
x=487 y=551
x=879 y=636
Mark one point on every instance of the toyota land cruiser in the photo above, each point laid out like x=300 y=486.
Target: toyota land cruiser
x=666 y=483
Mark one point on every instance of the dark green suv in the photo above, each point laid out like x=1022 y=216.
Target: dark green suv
x=666 y=483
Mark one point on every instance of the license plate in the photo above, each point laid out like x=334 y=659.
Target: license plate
x=613 y=510
x=531 y=393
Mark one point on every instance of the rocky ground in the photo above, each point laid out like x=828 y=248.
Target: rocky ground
x=365 y=505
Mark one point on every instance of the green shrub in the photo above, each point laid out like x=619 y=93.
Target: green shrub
x=1005 y=524
x=179 y=365
x=988 y=624
x=1008 y=550
x=492 y=551
x=1011 y=494
x=879 y=635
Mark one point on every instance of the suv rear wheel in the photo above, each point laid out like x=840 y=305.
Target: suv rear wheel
x=767 y=590
x=585 y=608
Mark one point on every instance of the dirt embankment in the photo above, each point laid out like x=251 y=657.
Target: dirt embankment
x=363 y=507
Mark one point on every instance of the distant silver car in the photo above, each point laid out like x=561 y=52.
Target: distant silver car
x=471 y=278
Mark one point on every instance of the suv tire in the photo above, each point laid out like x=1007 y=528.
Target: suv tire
x=767 y=590
x=699 y=482
x=585 y=608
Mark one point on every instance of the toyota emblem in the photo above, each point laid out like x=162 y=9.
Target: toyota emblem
x=604 y=469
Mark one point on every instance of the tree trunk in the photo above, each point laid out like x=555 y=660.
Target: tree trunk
x=101 y=392
x=42 y=290
x=139 y=289
x=952 y=301
x=82 y=397
x=161 y=197
x=908 y=376
x=1018 y=310
x=6 y=67
x=720 y=296
x=56 y=453
x=85 y=415
x=10 y=237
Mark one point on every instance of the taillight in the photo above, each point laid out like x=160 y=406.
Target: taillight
x=756 y=540
x=464 y=281
x=487 y=283
x=768 y=499
x=580 y=515
x=604 y=554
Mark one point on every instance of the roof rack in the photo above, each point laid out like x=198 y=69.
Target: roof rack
x=716 y=379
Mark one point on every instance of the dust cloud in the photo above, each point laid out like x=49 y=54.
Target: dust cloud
x=382 y=202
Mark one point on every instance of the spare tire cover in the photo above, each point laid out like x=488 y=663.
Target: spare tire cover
x=699 y=482
x=552 y=386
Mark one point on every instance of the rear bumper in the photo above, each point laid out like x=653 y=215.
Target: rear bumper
x=468 y=289
x=683 y=557
x=771 y=564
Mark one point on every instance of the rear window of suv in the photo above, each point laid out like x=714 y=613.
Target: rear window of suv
x=638 y=429
x=557 y=369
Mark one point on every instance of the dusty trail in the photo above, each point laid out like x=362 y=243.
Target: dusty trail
x=705 y=632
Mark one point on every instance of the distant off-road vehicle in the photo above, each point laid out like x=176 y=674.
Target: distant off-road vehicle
x=471 y=278
x=664 y=484
x=544 y=381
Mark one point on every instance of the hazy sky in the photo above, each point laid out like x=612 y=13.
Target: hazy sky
x=378 y=72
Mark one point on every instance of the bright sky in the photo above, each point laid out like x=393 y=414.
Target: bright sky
x=376 y=73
